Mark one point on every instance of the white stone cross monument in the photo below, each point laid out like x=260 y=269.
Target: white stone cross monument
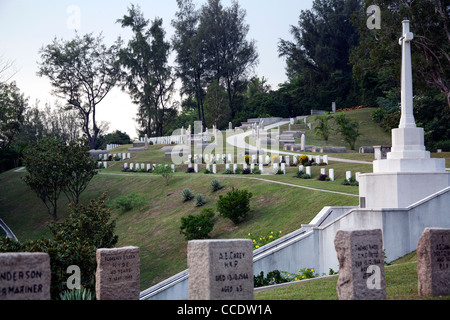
x=408 y=174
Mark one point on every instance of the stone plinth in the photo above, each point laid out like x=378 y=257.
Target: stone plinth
x=361 y=264
x=118 y=274
x=220 y=269
x=433 y=262
x=25 y=276
x=399 y=189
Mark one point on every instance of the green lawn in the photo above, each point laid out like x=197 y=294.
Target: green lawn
x=155 y=228
x=401 y=284
x=371 y=133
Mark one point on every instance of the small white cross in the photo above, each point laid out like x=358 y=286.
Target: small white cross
x=407 y=36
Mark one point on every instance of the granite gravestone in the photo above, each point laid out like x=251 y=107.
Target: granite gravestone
x=220 y=269
x=361 y=264
x=433 y=262
x=24 y=276
x=118 y=274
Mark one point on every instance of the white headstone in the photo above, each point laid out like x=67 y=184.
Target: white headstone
x=348 y=175
x=308 y=170
x=331 y=174
x=214 y=168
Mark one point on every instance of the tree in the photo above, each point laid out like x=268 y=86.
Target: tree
x=378 y=54
x=217 y=111
x=235 y=205
x=164 y=171
x=190 y=58
x=89 y=225
x=45 y=162
x=318 y=58
x=80 y=169
x=56 y=167
x=199 y=226
x=147 y=76
x=348 y=128
x=323 y=129
x=229 y=57
x=49 y=122
x=82 y=72
x=12 y=108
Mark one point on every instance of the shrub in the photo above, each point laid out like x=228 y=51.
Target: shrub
x=260 y=241
x=275 y=159
x=323 y=177
x=246 y=171
x=165 y=171
x=228 y=171
x=199 y=200
x=77 y=294
x=75 y=241
x=302 y=175
x=190 y=170
x=199 y=226
x=216 y=185
x=238 y=171
x=235 y=205
x=187 y=195
x=303 y=159
x=130 y=201
x=350 y=182
x=444 y=145
x=206 y=171
x=256 y=171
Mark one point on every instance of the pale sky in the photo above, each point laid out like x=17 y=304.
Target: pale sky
x=27 y=25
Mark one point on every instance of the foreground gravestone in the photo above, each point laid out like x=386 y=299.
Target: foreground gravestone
x=361 y=264
x=25 y=276
x=118 y=274
x=433 y=262
x=220 y=269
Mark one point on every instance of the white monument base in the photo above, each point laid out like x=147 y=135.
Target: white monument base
x=409 y=165
x=399 y=189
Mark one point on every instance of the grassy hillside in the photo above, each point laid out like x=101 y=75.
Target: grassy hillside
x=371 y=133
x=155 y=228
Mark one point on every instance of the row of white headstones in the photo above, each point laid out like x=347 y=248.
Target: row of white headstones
x=219 y=157
x=275 y=168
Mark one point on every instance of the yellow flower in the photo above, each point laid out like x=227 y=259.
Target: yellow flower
x=256 y=247
x=303 y=277
x=270 y=237
x=312 y=270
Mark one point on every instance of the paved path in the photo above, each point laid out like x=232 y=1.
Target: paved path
x=240 y=143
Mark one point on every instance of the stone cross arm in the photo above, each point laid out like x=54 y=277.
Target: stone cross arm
x=407 y=35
